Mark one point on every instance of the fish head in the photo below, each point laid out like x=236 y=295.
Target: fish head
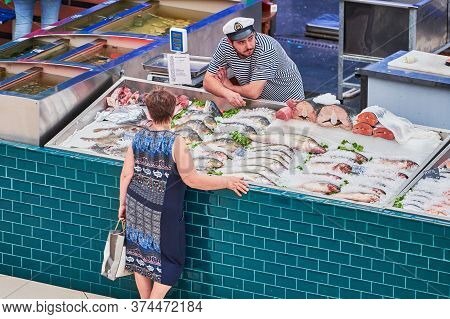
x=344 y=168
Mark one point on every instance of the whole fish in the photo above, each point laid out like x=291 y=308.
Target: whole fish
x=267 y=113
x=235 y=126
x=223 y=142
x=266 y=161
x=207 y=163
x=278 y=155
x=251 y=167
x=354 y=156
x=205 y=118
x=257 y=122
x=109 y=139
x=254 y=177
x=335 y=177
x=358 y=197
x=265 y=171
x=197 y=125
x=435 y=211
x=212 y=109
x=295 y=141
x=130 y=128
x=258 y=147
x=400 y=164
x=371 y=189
x=320 y=187
x=339 y=167
x=199 y=152
x=189 y=135
x=100 y=149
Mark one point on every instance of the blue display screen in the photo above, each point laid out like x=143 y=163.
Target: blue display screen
x=177 y=41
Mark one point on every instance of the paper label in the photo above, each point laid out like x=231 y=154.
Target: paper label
x=179 y=69
x=273 y=8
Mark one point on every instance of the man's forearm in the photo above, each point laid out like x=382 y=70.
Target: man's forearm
x=247 y=91
x=215 y=87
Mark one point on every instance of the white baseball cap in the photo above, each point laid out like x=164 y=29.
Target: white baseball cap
x=239 y=28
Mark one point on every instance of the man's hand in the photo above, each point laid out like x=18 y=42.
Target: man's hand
x=222 y=76
x=235 y=99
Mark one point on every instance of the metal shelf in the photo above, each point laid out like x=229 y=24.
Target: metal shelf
x=415 y=28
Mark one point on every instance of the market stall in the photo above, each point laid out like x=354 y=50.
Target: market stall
x=327 y=214
x=325 y=160
x=38 y=99
x=84 y=49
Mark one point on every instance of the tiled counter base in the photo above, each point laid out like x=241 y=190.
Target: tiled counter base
x=56 y=209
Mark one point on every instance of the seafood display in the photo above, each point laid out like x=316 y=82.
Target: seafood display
x=431 y=194
x=324 y=111
x=241 y=142
x=254 y=144
x=367 y=124
x=113 y=129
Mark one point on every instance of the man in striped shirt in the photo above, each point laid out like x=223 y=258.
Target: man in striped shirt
x=260 y=65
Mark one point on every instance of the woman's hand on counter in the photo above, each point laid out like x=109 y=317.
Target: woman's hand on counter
x=237 y=185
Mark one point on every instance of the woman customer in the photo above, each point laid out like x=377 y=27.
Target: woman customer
x=157 y=168
x=24 y=15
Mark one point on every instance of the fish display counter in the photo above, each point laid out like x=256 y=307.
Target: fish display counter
x=304 y=237
x=39 y=99
x=152 y=20
x=295 y=155
x=104 y=11
x=94 y=50
x=429 y=193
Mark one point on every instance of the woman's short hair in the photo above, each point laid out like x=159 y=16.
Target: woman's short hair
x=161 y=105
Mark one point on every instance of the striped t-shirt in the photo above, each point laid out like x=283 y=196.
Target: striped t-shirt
x=268 y=62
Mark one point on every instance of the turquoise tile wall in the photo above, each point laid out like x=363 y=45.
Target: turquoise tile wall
x=56 y=209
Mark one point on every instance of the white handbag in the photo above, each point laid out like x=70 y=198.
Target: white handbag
x=115 y=253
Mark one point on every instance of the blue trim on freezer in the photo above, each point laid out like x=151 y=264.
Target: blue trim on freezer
x=118 y=16
x=83 y=13
x=30 y=54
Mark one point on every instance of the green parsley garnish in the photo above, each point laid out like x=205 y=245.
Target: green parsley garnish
x=213 y=172
x=195 y=144
x=199 y=103
x=351 y=147
x=398 y=201
x=230 y=113
x=177 y=117
x=240 y=139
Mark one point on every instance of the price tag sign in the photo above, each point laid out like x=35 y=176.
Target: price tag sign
x=179 y=69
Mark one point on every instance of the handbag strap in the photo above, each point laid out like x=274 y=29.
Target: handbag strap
x=123 y=225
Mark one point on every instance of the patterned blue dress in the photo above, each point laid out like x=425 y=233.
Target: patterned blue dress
x=155 y=231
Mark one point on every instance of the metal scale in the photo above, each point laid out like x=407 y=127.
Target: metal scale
x=158 y=67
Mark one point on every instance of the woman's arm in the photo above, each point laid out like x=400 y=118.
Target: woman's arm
x=197 y=180
x=125 y=179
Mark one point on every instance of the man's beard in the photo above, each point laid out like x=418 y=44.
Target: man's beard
x=247 y=54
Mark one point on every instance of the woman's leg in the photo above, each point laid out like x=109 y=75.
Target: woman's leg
x=144 y=285
x=24 y=17
x=159 y=291
x=50 y=12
